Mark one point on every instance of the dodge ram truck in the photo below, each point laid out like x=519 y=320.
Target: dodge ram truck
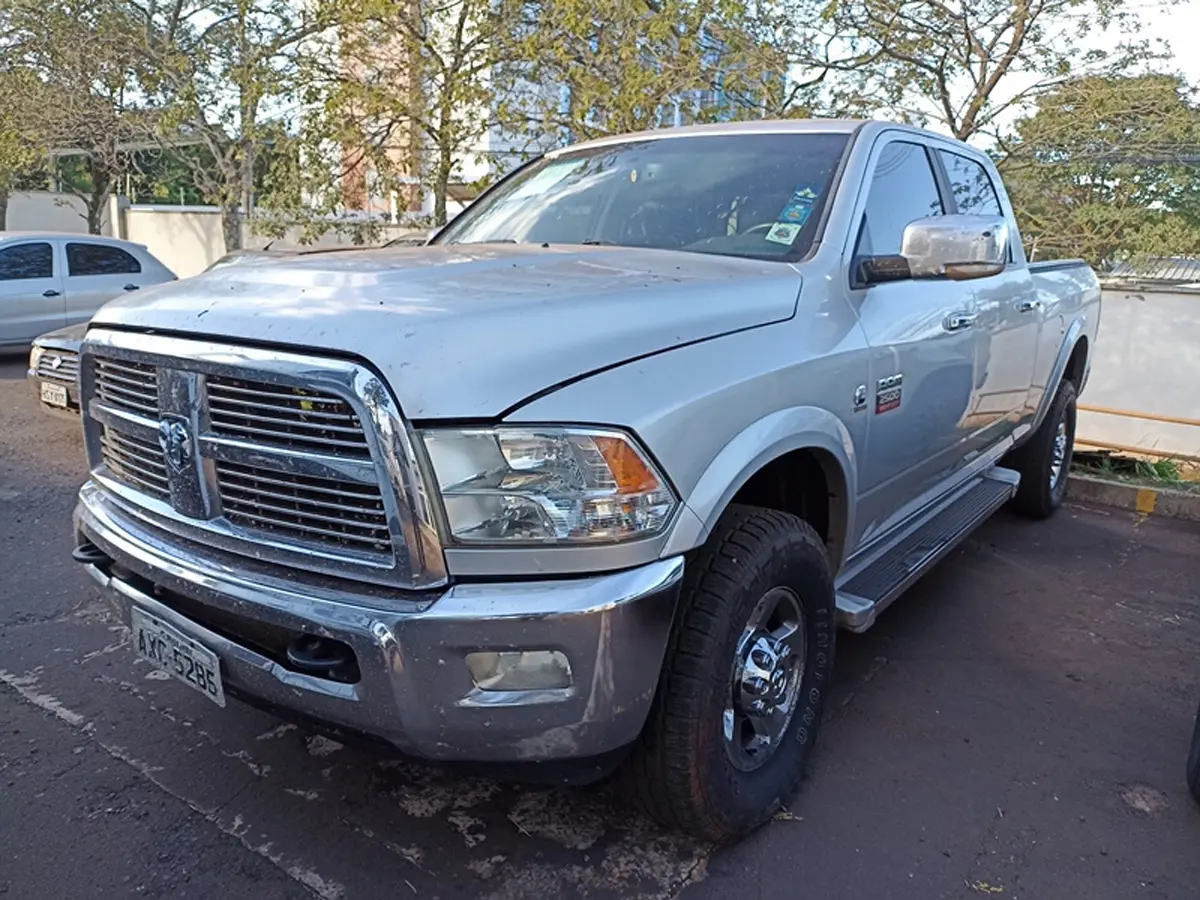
x=594 y=477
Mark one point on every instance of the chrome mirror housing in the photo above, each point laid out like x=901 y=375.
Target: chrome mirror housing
x=958 y=247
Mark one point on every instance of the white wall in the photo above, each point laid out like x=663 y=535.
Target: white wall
x=1146 y=360
x=186 y=238
x=49 y=211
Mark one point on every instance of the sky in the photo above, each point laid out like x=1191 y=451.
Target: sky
x=1177 y=22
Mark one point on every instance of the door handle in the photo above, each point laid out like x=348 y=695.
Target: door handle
x=1028 y=305
x=50 y=293
x=958 y=321
x=132 y=287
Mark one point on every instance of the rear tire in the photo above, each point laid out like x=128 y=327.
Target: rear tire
x=1044 y=461
x=1193 y=766
x=748 y=668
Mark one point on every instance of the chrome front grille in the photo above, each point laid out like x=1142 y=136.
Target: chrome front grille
x=295 y=418
x=58 y=365
x=291 y=459
x=129 y=386
x=311 y=508
x=135 y=462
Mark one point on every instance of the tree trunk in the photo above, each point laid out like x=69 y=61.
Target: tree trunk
x=3 y=208
x=231 y=227
x=441 y=184
x=96 y=203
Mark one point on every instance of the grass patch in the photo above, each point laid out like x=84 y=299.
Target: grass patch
x=1129 y=469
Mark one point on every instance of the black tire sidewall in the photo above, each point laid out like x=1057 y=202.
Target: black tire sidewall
x=1065 y=409
x=1036 y=498
x=744 y=796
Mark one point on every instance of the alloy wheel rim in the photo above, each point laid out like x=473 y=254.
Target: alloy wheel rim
x=1060 y=454
x=764 y=686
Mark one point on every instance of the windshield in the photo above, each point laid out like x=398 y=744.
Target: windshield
x=754 y=195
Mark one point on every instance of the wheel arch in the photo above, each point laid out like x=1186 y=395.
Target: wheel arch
x=1073 y=362
x=800 y=460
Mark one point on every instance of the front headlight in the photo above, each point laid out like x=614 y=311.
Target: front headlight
x=35 y=356
x=547 y=485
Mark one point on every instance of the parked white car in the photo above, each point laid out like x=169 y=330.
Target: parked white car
x=50 y=280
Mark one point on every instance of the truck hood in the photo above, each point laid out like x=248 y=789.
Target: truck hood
x=469 y=331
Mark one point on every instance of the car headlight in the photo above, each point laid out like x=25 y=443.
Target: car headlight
x=516 y=485
x=35 y=356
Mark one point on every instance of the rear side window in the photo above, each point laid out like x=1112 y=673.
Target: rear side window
x=974 y=193
x=98 y=259
x=902 y=190
x=26 y=261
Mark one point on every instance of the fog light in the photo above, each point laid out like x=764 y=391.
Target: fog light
x=519 y=670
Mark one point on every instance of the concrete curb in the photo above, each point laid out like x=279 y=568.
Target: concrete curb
x=1136 y=497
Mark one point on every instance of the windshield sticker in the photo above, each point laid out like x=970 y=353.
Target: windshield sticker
x=783 y=233
x=800 y=206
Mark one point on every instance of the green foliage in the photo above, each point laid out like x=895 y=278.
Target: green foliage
x=21 y=142
x=407 y=97
x=960 y=66
x=627 y=66
x=1108 y=168
x=223 y=74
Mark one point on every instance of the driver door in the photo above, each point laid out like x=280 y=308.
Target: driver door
x=923 y=348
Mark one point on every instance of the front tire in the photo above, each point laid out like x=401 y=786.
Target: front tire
x=1193 y=766
x=1044 y=461
x=743 y=686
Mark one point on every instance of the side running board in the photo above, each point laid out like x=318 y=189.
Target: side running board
x=872 y=589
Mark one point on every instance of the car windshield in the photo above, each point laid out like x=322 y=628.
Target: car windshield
x=752 y=195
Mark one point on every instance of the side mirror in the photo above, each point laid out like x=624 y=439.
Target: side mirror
x=956 y=247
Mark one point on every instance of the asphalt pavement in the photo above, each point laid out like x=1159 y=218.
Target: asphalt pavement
x=1015 y=727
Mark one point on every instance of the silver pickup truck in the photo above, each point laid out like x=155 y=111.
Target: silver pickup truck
x=595 y=476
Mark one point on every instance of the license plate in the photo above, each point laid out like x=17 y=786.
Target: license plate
x=54 y=394
x=175 y=653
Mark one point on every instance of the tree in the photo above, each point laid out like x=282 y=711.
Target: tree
x=408 y=96
x=611 y=66
x=21 y=152
x=84 y=55
x=224 y=74
x=963 y=66
x=1108 y=168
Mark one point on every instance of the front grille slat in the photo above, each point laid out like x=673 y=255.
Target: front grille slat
x=287 y=438
x=255 y=423
x=301 y=420
x=230 y=472
x=224 y=404
x=67 y=369
x=136 y=463
x=285 y=502
x=249 y=495
x=129 y=386
x=289 y=525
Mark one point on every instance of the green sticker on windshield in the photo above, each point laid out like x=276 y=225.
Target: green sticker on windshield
x=784 y=233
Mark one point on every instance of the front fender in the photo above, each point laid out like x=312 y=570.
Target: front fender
x=795 y=428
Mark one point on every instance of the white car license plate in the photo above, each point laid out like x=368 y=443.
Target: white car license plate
x=177 y=654
x=54 y=394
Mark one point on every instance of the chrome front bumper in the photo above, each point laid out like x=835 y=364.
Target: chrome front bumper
x=414 y=689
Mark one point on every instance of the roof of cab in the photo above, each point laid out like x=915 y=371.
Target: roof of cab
x=66 y=235
x=759 y=126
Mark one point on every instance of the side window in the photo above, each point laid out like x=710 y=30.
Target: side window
x=902 y=190
x=26 y=261
x=974 y=193
x=98 y=259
